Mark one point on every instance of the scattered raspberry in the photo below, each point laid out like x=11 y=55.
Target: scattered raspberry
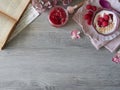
x=89 y=7
x=94 y=8
x=87 y=16
x=90 y=13
x=89 y=21
x=105 y=23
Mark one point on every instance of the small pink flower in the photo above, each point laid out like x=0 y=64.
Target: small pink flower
x=75 y=34
x=42 y=5
x=116 y=58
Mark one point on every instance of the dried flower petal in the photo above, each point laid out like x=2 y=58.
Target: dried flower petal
x=75 y=34
x=54 y=2
x=116 y=58
x=42 y=5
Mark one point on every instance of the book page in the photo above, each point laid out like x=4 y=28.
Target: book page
x=6 y=24
x=13 y=8
x=8 y=9
x=29 y=15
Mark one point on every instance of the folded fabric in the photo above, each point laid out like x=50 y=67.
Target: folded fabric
x=113 y=45
x=111 y=42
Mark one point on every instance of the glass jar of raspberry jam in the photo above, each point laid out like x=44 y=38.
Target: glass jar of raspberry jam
x=58 y=16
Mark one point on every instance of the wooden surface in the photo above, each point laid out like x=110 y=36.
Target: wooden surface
x=45 y=58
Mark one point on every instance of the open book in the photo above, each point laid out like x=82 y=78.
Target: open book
x=28 y=17
x=10 y=13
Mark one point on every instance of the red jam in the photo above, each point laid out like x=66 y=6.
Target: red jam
x=58 y=16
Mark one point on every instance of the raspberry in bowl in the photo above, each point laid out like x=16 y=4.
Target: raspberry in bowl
x=105 y=21
x=58 y=16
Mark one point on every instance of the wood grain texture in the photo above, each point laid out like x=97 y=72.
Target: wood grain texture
x=46 y=58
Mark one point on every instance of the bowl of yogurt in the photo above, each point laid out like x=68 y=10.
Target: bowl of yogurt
x=105 y=21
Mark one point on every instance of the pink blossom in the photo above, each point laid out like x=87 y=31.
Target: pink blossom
x=116 y=58
x=75 y=34
x=42 y=5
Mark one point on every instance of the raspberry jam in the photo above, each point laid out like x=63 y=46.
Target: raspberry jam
x=58 y=16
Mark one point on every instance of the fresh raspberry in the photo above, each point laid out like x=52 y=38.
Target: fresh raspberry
x=90 y=13
x=105 y=23
x=89 y=7
x=94 y=8
x=87 y=16
x=99 y=24
x=106 y=17
x=89 y=21
x=100 y=19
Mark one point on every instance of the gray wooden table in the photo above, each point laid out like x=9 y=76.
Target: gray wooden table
x=45 y=58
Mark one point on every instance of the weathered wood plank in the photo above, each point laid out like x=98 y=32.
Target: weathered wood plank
x=46 y=58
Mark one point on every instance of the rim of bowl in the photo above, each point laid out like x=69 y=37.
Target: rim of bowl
x=66 y=20
x=118 y=21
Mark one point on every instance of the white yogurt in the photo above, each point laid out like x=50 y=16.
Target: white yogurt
x=108 y=29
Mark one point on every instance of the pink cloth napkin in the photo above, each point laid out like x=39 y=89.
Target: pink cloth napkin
x=110 y=42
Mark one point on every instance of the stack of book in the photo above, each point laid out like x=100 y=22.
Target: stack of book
x=15 y=15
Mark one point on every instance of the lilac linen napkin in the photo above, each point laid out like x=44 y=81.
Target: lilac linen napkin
x=113 y=45
x=110 y=42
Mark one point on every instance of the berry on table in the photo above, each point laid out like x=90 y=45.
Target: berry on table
x=90 y=12
x=89 y=22
x=94 y=8
x=87 y=16
x=89 y=7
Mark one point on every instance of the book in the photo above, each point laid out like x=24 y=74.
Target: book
x=28 y=16
x=10 y=13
